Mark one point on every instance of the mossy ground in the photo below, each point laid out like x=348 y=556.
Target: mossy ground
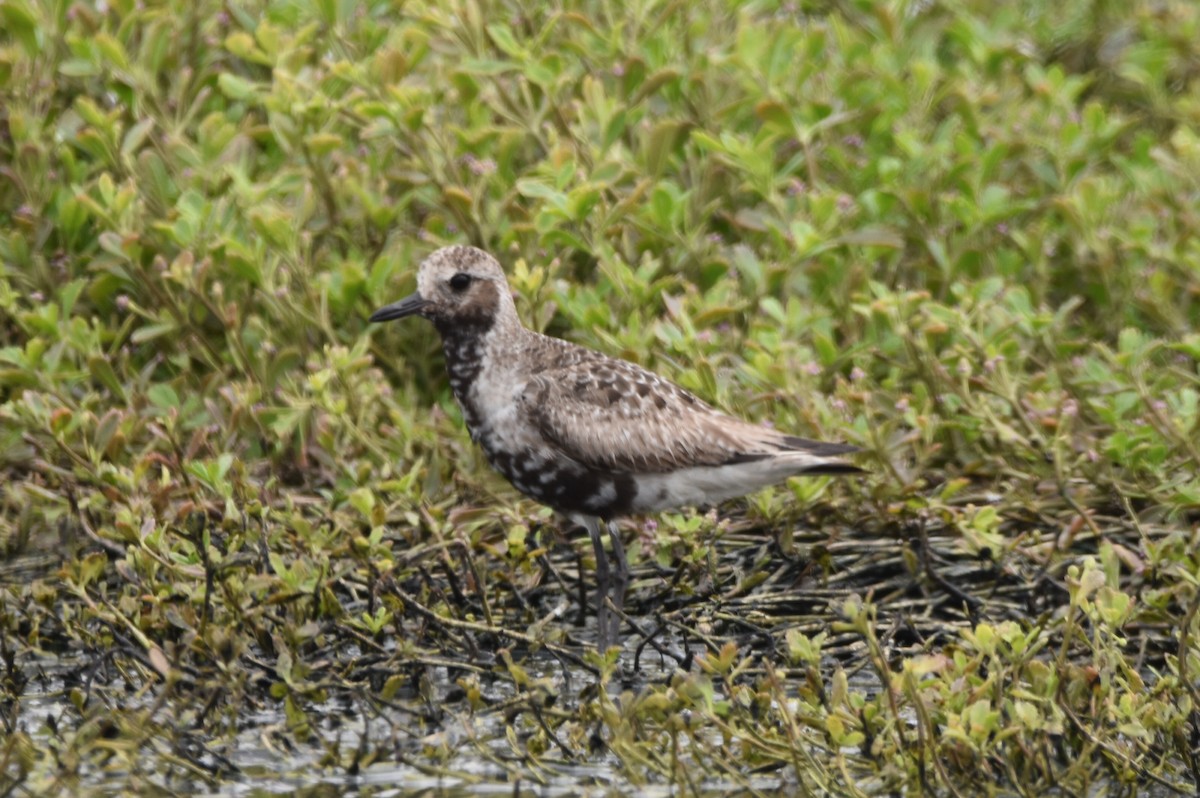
x=248 y=541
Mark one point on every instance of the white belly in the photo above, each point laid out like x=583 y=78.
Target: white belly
x=705 y=485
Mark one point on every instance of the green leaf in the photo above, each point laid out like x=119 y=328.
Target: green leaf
x=78 y=68
x=234 y=87
x=324 y=143
x=537 y=190
x=102 y=371
x=70 y=294
x=363 y=500
x=504 y=39
x=111 y=49
x=653 y=84
x=486 y=67
x=876 y=235
x=136 y=136
x=20 y=21
x=151 y=331
x=105 y=431
x=163 y=396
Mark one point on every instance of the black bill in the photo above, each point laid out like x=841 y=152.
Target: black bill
x=398 y=310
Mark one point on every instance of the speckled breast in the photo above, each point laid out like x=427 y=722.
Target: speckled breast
x=531 y=466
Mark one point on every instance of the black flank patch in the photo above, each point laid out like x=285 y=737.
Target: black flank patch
x=570 y=487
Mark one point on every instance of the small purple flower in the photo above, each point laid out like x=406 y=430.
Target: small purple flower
x=812 y=367
x=618 y=70
x=903 y=405
x=122 y=303
x=992 y=362
x=482 y=167
x=838 y=405
x=716 y=238
x=845 y=202
x=796 y=186
x=857 y=374
x=853 y=141
x=963 y=368
x=38 y=297
x=1159 y=405
x=1002 y=228
x=1070 y=408
x=1092 y=456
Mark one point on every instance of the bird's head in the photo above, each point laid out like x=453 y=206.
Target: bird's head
x=457 y=287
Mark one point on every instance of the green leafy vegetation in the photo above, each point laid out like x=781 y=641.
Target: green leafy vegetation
x=240 y=526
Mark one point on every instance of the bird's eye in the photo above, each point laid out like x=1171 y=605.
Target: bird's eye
x=460 y=281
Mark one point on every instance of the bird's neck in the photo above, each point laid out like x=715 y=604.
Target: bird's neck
x=465 y=348
x=468 y=349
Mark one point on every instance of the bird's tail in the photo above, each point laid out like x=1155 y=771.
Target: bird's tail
x=819 y=457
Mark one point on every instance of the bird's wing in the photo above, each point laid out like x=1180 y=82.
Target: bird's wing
x=614 y=415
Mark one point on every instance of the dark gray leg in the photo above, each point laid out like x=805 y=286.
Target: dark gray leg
x=621 y=580
x=604 y=614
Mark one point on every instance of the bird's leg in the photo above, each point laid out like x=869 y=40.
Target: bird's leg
x=603 y=583
x=621 y=582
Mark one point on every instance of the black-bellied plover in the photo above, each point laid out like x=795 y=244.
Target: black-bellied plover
x=592 y=436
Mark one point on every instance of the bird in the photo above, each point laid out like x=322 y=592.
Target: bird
x=592 y=436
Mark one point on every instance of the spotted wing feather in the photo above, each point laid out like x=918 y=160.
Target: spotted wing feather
x=614 y=415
